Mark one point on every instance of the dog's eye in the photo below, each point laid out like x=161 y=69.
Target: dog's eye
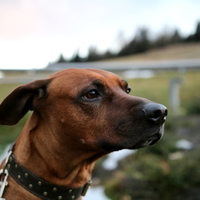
x=128 y=90
x=91 y=94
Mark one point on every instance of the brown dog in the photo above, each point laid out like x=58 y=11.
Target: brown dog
x=79 y=115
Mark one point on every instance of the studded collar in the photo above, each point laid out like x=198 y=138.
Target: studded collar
x=40 y=187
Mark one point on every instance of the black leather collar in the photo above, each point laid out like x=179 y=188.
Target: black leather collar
x=40 y=187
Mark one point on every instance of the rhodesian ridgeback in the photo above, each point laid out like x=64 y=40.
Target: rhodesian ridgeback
x=79 y=115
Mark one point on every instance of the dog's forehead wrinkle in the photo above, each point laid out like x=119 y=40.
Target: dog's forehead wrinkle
x=107 y=75
x=88 y=77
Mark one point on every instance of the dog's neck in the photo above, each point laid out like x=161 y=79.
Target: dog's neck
x=51 y=161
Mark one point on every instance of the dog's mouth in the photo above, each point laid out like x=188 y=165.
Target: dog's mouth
x=153 y=139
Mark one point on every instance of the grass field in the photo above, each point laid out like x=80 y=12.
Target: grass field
x=170 y=52
x=9 y=133
x=6 y=89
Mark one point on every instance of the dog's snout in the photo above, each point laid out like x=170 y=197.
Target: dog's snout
x=155 y=112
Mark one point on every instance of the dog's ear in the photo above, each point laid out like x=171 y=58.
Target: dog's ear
x=21 y=100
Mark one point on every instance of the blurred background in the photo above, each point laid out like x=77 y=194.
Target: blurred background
x=154 y=45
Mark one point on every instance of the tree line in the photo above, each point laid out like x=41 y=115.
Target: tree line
x=140 y=43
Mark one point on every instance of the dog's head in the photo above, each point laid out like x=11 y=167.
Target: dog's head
x=90 y=107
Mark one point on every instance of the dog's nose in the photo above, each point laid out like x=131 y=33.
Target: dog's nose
x=155 y=112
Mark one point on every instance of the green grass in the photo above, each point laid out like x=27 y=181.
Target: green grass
x=190 y=93
x=9 y=133
x=5 y=89
x=155 y=89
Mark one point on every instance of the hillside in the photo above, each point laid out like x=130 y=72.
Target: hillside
x=171 y=52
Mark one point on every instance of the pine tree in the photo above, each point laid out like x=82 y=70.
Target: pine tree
x=61 y=59
x=197 y=33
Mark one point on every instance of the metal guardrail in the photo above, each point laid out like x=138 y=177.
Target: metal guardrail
x=188 y=64
x=30 y=75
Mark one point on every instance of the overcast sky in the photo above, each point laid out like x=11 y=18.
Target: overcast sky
x=35 y=32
